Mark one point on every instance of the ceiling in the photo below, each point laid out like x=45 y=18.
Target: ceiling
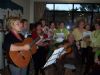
x=69 y=1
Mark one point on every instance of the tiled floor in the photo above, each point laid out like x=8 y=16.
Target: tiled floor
x=51 y=70
x=48 y=71
x=4 y=71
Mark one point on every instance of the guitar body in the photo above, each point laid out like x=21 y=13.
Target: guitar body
x=22 y=58
x=68 y=53
x=68 y=50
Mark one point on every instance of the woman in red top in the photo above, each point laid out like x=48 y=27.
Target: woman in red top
x=40 y=57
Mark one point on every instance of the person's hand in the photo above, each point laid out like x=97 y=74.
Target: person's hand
x=26 y=47
x=40 y=44
x=86 y=38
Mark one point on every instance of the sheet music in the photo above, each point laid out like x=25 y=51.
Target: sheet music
x=60 y=35
x=87 y=33
x=56 y=54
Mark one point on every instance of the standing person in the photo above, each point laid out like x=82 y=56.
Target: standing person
x=78 y=31
x=52 y=29
x=40 y=56
x=89 y=56
x=95 y=40
x=61 y=33
x=95 y=37
x=25 y=28
x=95 y=43
x=25 y=33
x=12 y=37
x=45 y=28
x=78 y=34
x=87 y=33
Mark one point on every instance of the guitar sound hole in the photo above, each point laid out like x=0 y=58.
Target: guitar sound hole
x=21 y=53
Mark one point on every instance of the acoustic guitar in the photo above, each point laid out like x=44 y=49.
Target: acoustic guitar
x=22 y=58
x=68 y=52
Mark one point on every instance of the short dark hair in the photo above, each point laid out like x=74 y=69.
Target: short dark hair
x=23 y=20
x=37 y=23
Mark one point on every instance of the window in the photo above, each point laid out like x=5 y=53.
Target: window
x=83 y=7
x=49 y=6
x=96 y=8
x=63 y=12
x=77 y=7
x=63 y=7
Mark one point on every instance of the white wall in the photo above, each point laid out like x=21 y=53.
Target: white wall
x=28 y=11
x=31 y=11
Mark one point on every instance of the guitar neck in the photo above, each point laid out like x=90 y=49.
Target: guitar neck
x=34 y=41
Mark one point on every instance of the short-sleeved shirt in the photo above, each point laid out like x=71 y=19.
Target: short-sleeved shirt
x=78 y=36
x=60 y=35
x=95 y=38
x=9 y=39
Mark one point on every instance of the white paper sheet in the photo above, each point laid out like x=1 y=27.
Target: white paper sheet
x=88 y=33
x=54 y=56
x=60 y=35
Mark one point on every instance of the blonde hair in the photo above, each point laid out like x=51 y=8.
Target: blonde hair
x=11 y=21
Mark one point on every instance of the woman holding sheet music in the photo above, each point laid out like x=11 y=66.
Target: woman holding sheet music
x=61 y=33
x=40 y=57
x=95 y=39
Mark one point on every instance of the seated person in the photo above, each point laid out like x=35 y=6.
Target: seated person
x=96 y=68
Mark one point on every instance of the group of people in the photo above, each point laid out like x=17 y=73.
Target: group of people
x=81 y=39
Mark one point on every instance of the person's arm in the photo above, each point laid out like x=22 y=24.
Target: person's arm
x=19 y=48
x=8 y=45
